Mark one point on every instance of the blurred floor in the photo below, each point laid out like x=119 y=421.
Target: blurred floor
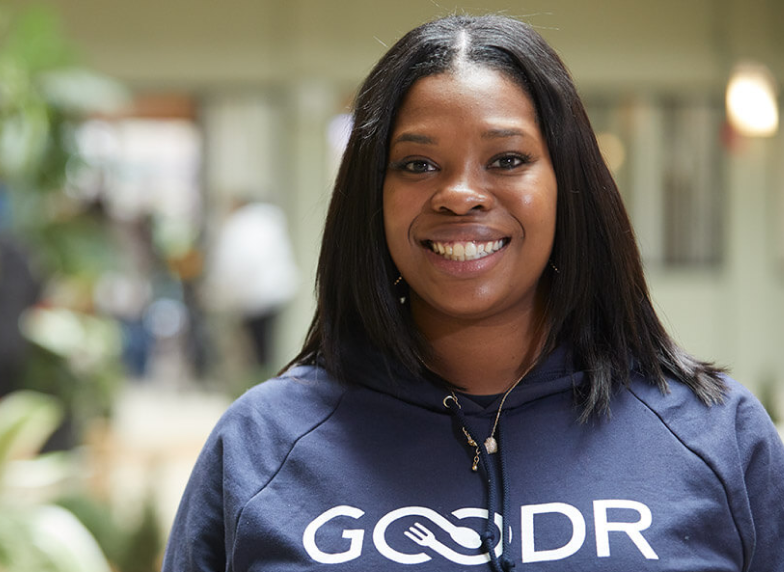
x=150 y=446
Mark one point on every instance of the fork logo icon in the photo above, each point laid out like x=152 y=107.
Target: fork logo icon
x=426 y=531
x=421 y=532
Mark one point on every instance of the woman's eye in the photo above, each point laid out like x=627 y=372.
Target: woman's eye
x=413 y=166
x=419 y=167
x=509 y=162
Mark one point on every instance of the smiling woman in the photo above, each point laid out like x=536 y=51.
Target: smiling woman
x=482 y=310
x=469 y=217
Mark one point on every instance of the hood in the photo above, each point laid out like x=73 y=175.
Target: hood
x=370 y=368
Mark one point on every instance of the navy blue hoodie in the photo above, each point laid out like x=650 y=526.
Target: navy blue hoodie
x=304 y=473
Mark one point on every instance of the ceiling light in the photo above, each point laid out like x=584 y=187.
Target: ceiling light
x=752 y=108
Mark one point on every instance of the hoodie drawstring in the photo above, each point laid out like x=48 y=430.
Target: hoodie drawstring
x=506 y=563
x=492 y=481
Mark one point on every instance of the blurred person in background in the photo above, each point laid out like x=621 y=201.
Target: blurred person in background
x=485 y=384
x=251 y=272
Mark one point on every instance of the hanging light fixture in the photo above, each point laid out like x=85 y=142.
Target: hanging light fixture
x=752 y=108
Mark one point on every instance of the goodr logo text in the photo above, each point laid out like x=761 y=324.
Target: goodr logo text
x=427 y=531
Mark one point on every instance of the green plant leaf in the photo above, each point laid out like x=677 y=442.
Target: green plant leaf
x=27 y=419
x=34 y=37
x=80 y=91
x=47 y=538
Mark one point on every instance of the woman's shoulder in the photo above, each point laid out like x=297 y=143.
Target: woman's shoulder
x=281 y=409
x=725 y=433
x=679 y=404
x=743 y=448
x=301 y=394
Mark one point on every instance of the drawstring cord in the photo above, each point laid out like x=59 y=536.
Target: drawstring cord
x=506 y=535
x=504 y=564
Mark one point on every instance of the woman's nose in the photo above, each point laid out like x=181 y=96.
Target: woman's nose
x=461 y=194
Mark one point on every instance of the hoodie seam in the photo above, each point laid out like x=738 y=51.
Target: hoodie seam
x=707 y=463
x=277 y=471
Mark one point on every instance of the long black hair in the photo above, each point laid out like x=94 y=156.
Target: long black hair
x=598 y=302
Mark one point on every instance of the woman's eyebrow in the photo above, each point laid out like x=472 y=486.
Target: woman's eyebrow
x=427 y=140
x=414 y=138
x=501 y=133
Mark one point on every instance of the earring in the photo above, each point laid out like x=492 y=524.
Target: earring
x=395 y=285
x=554 y=267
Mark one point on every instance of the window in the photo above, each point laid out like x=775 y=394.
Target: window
x=666 y=155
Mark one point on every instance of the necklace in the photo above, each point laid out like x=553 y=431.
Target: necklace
x=491 y=445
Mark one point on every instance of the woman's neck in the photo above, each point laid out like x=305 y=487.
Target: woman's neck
x=483 y=358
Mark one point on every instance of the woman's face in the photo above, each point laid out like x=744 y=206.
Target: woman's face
x=469 y=197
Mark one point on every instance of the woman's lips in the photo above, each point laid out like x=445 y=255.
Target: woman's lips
x=463 y=251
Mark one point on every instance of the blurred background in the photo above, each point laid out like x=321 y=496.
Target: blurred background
x=165 y=168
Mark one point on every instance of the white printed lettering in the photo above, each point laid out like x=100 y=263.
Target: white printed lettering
x=632 y=529
x=430 y=534
x=530 y=554
x=355 y=536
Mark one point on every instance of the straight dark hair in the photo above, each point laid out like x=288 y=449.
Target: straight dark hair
x=598 y=303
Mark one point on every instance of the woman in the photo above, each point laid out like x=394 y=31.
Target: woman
x=485 y=383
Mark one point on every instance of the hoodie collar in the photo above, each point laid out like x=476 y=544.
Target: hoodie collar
x=374 y=370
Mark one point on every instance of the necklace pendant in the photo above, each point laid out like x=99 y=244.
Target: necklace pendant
x=491 y=445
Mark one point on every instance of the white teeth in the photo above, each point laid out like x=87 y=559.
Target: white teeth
x=462 y=251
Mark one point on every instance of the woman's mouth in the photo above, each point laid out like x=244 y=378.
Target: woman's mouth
x=465 y=250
